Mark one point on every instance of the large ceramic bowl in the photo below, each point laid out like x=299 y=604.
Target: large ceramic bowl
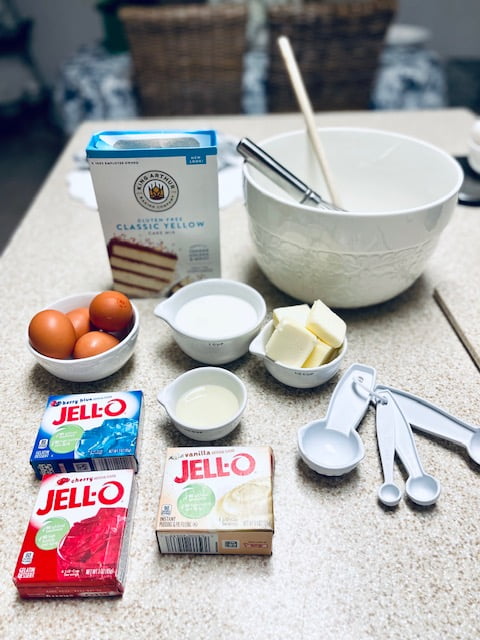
x=399 y=193
x=95 y=367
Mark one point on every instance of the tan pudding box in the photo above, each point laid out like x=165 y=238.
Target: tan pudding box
x=157 y=196
x=217 y=500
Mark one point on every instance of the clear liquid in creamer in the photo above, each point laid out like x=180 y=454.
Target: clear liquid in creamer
x=207 y=405
x=215 y=317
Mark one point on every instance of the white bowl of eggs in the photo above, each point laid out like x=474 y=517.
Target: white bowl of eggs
x=84 y=337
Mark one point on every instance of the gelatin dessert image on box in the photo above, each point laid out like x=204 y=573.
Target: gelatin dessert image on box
x=157 y=196
x=83 y=432
x=77 y=539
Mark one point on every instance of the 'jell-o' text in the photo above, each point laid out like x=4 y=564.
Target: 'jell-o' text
x=304 y=336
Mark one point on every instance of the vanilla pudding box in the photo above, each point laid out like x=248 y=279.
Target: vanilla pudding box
x=157 y=196
x=217 y=500
x=77 y=539
x=89 y=432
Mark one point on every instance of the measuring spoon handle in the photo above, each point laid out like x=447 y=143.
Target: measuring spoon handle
x=385 y=428
x=405 y=443
x=428 y=418
x=350 y=398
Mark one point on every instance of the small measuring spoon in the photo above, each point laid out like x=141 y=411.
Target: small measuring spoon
x=388 y=492
x=426 y=417
x=421 y=488
x=332 y=446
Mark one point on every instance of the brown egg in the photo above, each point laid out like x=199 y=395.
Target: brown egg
x=93 y=343
x=52 y=334
x=111 y=311
x=80 y=318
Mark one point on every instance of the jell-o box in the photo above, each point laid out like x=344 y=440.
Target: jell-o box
x=88 y=432
x=77 y=539
x=217 y=500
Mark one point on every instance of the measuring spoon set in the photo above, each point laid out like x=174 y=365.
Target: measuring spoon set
x=331 y=446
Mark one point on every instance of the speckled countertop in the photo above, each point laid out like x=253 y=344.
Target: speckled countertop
x=343 y=567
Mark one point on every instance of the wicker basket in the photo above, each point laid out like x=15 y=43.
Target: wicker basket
x=337 y=47
x=187 y=59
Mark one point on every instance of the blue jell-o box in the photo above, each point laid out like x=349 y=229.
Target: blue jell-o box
x=89 y=432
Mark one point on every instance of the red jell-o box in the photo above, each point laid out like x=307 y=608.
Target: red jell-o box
x=77 y=539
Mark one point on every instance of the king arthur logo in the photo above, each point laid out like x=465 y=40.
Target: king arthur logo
x=156 y=190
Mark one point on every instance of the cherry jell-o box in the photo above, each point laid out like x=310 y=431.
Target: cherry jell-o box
x=76 y=544
x=157 y=195
x=217 y=500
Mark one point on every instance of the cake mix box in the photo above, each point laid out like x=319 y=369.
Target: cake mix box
x=77 y=539
x=157 y=195
x=217 y=500
x=89 y=432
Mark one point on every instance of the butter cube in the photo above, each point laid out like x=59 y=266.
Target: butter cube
x=326 y=324
x=290 y=344
x=297 y=313
x=321 y=354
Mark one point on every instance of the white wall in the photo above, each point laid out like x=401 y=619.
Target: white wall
x=62 y=26
x=454 y=24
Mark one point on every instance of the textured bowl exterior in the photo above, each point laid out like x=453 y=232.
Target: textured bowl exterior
x=362 y=257
x=342 y=280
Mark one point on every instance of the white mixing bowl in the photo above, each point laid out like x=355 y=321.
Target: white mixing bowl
x=399 y=193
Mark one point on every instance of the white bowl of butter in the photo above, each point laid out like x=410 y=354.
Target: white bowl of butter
x=302 y=346
x=205 y=403
x=214 y=320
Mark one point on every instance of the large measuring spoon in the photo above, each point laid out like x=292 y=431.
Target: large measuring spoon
x=421 y=488
x=332 y=446
x=388 y=492
x=426 y=417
